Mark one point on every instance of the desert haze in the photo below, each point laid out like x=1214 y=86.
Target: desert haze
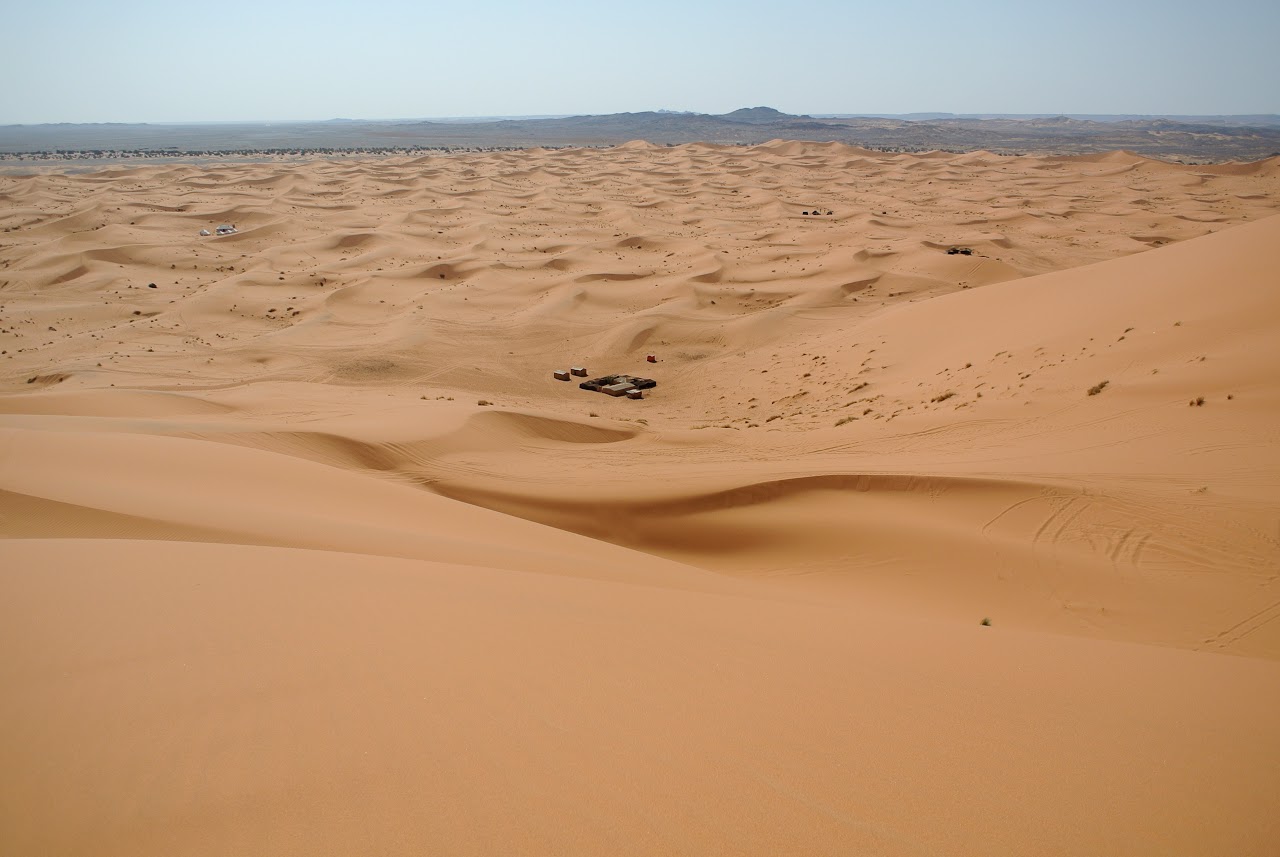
x=951 y=527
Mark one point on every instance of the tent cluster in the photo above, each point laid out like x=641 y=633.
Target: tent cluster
x=620 y=385
x=612 y=385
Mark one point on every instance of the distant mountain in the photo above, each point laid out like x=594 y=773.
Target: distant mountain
x=759 y=115
x=1174 y=138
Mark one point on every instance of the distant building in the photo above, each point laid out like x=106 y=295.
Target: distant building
x=226 y=229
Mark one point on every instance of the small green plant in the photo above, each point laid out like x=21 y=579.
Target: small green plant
x=1098 y=388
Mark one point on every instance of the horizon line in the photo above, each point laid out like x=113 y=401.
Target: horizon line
x=533 y=116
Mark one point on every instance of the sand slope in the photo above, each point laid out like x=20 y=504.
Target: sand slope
x=306 y=551
x=199 y=698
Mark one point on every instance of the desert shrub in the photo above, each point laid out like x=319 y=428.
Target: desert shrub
x=1098 y=388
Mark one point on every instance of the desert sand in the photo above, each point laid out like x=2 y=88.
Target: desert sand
x=951 y=528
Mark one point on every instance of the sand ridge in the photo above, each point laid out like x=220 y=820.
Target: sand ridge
x=306 y=501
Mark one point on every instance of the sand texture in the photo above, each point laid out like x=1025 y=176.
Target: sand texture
x=306 y=551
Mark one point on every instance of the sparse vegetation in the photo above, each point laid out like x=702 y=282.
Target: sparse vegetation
x=484 y=402
x=1197 y=402
x=986 y=623
x=844 y=420
x=1098 y=388
x=942 y=397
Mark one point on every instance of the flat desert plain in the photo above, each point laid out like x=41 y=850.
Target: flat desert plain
x=952 y=526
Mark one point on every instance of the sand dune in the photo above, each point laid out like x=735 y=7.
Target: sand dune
x=307 y=552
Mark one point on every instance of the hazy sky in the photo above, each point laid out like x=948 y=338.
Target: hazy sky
x=135 y=60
